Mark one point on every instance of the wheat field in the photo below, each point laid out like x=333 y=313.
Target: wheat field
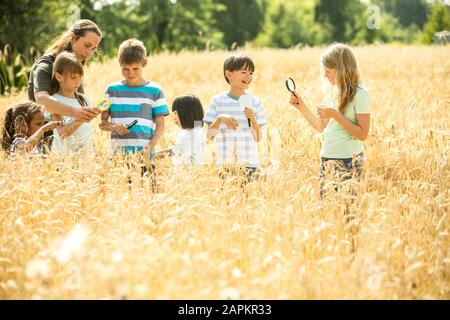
x=75 y=228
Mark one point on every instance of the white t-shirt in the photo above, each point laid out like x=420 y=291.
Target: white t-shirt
x=189 y=147
x=80 y=140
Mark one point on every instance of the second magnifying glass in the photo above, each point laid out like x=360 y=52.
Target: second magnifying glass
x=290 y=84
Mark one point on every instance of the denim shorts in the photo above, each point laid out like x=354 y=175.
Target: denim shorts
x=251 y=173
x=344 y=169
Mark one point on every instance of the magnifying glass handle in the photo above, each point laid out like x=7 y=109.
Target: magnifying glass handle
x=249 y=123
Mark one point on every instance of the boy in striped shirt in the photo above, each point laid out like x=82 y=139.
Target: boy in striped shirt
x=236 y=129
x=134 y=98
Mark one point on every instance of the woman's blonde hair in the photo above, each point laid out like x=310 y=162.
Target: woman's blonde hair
x=341 y=58
x=79 y=29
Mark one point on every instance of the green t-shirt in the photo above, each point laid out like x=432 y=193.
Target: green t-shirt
x=337 y=142
x=41 y=77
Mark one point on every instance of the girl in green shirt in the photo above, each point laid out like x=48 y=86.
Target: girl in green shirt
x=345 y=120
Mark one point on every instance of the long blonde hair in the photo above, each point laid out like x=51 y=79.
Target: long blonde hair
x=79 y=29
x=341 y=58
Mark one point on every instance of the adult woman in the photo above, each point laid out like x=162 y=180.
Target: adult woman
x=82 y=39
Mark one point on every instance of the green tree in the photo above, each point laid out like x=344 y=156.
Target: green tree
x=240 y=21
x=389 y=30
x=438 y=20
x=118 y=21
x=155 y=19
x=26 y=23
x=407 y=12
x=174 y=25
x=290 y=23
x=191 y=25
x=340 y=17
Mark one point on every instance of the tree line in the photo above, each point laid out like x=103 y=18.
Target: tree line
x=224 y=24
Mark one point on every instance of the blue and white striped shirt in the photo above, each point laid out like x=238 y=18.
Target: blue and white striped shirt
x=142 y=103
x=235 y=146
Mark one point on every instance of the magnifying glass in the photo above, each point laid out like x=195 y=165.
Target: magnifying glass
x=246 y=101
x=290 y=84
x=103 y=105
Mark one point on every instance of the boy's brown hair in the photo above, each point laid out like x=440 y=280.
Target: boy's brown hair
x=132 y=51
x=237 y=62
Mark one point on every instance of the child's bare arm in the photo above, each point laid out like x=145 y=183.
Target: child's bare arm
x=67 y=129
x=316 y=122
x=360 y=130
x=229 y=121
x=159 y=130
x=163 y=153
x=106 y=125
x=212 y=129
x=256 y=129
x=28 y=144
x=54 y=106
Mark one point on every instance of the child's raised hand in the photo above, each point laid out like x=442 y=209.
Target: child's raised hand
x=169 y=152
x=121 y=130
x=249 y=113
x=326 y=113
x=85 y=114
x=93 y=110
x=49 y=126
x=296 y=100
x=229 y=121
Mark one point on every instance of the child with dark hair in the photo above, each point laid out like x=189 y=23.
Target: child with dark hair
x=24 y=127
x=189 y=147
x=236 y=129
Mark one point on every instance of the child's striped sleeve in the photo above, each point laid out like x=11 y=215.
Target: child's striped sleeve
x=211 y=115
x=259 y=113
x=160 y=108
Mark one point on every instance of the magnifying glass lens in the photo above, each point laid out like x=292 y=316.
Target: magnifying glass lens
x=103 y=105
x=290 y=85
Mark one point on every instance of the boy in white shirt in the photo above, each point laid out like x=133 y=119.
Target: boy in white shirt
x=237 y=130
